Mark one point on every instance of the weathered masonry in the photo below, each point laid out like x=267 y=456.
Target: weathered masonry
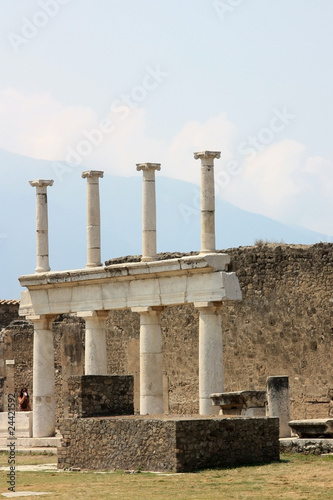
x=144 y=287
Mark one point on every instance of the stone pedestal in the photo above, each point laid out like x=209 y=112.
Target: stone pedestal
x=207 y=200
x=93 y=218
x=42 y=238
x=313 y=428
x=95 y=342
x=278 y=404
x=43 y=378
x=241 y=403
x=210 y=356
x=148 y=210
x=151 y=377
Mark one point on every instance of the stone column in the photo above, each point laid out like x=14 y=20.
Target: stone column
x=207 y=200
x=93 y=218
x=95 y=358
x=278 y=404
x=151 y=377
x=210 y=356
x=43 y=377
x=148 y=210
x=42 y=236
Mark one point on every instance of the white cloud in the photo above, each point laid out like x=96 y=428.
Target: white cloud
x=284 y=184
x=37 y=125
x=280 y=181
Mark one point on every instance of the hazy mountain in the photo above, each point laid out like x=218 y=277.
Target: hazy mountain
x=178 y=219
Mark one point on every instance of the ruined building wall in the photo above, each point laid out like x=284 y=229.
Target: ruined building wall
x=8 y=312
x=283 y=326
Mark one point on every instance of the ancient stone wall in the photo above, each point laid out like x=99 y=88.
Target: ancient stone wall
x=176 y=444
x=100 y=395
x=283 y=326
x=17 y=345
x=8 y=312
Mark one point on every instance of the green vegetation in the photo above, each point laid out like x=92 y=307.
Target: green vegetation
x=296 y=477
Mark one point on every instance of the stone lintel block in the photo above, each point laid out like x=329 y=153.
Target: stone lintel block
x=210 y=262
x=239 y=399
x=312 y=427
x=168 y=282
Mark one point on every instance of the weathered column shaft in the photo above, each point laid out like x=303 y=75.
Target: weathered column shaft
x=278 y=403
x=95 y=342
x=43 y=378
x=148 y=210
x=93 y=218
x=210 y=357
x=42 y=237
x=207 y=200
x=151 y=377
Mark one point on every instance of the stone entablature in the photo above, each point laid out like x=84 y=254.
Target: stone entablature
x=186 y=280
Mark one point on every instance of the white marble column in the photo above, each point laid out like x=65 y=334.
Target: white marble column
x=148 y=210
x=43 y=377
x=210 y=356
x=151 y=376
x=93 y=218
x=42 y=236
x=207 y=200
x=95 y=358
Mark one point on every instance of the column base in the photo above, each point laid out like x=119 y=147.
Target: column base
x=42 y=269
x=206 y=407
x=151 y=405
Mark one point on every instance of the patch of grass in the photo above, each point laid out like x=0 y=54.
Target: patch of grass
x=295 y=477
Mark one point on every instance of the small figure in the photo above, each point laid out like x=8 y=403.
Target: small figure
x=24 y=400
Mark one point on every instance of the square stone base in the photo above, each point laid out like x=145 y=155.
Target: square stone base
x=167 y=444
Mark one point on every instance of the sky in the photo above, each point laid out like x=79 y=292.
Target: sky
x=106 y=84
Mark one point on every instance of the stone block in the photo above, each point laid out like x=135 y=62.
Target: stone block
x=169 y=444
x=312 y=428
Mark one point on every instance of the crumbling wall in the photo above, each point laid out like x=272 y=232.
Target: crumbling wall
x=283 y=326
x=8 y=312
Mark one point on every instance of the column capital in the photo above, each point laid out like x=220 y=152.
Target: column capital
x=147 y=310
x=41 y=183
x=93 y=314
x=92 y=173
x=148 y=166
x=42 y=321
x=204 y=155
x=208 y=306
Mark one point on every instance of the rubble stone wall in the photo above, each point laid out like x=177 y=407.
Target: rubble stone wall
x=100 y=395
x=178 y=445
x=283 y=326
